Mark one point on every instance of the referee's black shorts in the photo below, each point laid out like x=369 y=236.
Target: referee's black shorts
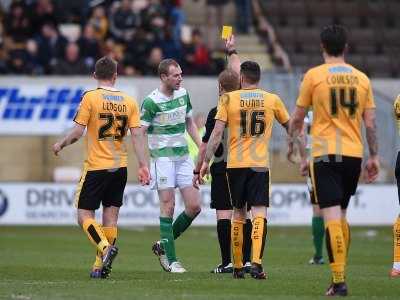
x=220 y=199
x=397 y=173
x=101 y=186
x=249 y=186
x=334 y=179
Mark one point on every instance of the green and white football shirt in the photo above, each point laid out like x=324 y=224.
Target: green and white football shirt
x=166 y=119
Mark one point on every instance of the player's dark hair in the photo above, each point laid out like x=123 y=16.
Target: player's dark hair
x=105 y=68
x=229 y=80
x=251 y=71
x=334 y=39
x=163 y=67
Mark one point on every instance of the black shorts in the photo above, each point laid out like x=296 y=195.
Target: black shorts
x=220 y=199
x=101 y=186
x=335 y=179
x=248 y=186
x=397 y=173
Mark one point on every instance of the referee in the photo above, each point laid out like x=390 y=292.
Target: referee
x=228 y=81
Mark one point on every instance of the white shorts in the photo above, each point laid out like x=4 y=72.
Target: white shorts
x=167 y=174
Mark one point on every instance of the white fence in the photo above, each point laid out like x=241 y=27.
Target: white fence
x=52 y=204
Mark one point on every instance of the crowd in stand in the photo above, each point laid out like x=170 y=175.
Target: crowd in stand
x=36 y=37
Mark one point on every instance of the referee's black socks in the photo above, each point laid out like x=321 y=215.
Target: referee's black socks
x=224 y=239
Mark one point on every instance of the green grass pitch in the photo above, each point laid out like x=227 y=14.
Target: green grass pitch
x=54 y=263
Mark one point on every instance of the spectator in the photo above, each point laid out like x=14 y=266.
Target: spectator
x=90 y=49
x=153 y=18
x=3 y=66
x=43 y=12
x=151 y=65
x=116 y=52
x=201 y=60
x=99 y=22
x=243 y=15
x=17 y=62
x=51 y=46
x=17 y=23
x=1 y=29
x=123 y=22
x=138 y=49
x=170 y=48
x=72 y=11
x=72 y=64
x=176 y=19
x=214 y=21
x=33 y=64
x=197 y=56
x=138 y=35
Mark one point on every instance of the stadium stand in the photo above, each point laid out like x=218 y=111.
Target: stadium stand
x=35 y=36
x=372 y=24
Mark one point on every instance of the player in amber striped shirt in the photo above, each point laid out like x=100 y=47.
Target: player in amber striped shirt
x=341 y=99
x=107 y=114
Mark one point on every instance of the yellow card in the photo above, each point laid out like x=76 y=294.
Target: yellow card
x=226 y=32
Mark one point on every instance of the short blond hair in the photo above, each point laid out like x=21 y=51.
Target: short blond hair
x=229 y=80
x=163 y=67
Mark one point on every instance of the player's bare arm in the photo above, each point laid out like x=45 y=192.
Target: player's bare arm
x=290 y=145
x=304 y=165
x=372 y=166
x=73 y=136
x=212 y=145
x=370 y=126
x=233 y=57
x=193 y=131
x=300 y=142
x=296 y=137
x=296 y=122
x=138 y=141
x=200 y=158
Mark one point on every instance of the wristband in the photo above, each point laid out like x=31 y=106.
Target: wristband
x=232 y=52
x=196 y=172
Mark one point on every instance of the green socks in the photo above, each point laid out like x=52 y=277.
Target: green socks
x=167 y=238
x=170 y=232
x=318 y=231
x=181 y=223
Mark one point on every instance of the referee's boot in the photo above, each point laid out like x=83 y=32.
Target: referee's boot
x=337 y=289
x=223 y=269
x=108 y=259
x=257 y=271
x=238 y=273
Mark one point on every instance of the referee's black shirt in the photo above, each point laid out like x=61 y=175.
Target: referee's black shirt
x=219 y=164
